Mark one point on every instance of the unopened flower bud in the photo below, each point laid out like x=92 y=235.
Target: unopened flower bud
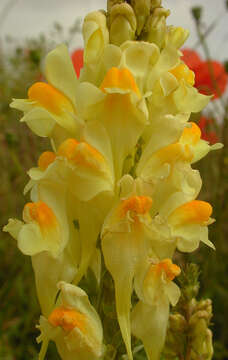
x=155 y=4
x=201 y=336
x=156 y=26
x=176 y=36
x=122 y=24
x=111 y=3
x=96 y=36
x=196 y=13
x=142 y=12
x=177 y=323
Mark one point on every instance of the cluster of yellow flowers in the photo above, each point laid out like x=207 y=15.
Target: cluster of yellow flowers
x=120 y=171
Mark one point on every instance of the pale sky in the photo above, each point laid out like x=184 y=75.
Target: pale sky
x=24 y=18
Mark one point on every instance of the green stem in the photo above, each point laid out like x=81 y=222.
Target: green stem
x=43 y=349
x=208 y=57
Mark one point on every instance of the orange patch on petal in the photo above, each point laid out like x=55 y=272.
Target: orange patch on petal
x=67 y=149
x=68 y=319
x=41 y=213
x=183 y=72
x=164 y=267
x=136 y=204
x=193 y=212
x=175 y=152
x=45 y=159
x=171 y=270
x=191 y=135
x=81 y=153
x=119 y=79
x=50 y=98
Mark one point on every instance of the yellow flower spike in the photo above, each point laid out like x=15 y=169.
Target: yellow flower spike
x=67 y=319
x=50 y=98
x=125 y=245
x=45 y=159
x=183 y=72
x=193 y=212
x=120 y=79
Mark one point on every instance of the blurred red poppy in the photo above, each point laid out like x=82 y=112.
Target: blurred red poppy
x=210 y=76
x=207 y=134
x=191 y=58
x=77 y=60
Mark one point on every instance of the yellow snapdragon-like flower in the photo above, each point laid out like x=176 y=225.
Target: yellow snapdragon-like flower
x=73 y=325
x=44 y=235
x=125 y=245
x=50 y=108
x=150 y=315
x=119 y=107
x=189 y=224
x=40 y=232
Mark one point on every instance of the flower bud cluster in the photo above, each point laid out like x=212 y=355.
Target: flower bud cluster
x=192 y=335
x=117 y=184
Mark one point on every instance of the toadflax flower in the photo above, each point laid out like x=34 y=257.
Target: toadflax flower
x=73 y=325
x=150 y=315
x=50 y=108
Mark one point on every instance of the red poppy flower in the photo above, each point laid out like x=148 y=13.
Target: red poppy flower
x=191 y=58
x=77 y=60
x=205 y=124
x=210 y=76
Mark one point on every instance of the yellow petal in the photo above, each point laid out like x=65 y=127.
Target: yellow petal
x=191 y=135
x=96 y=35
x=183 y=72
x=45 y=159
x=149 y=324
x=48 y=272
x=46 y=96
x=139 y=58
x=60 y=72
x=193 y=212
x=188 y=99
x=121 y=79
